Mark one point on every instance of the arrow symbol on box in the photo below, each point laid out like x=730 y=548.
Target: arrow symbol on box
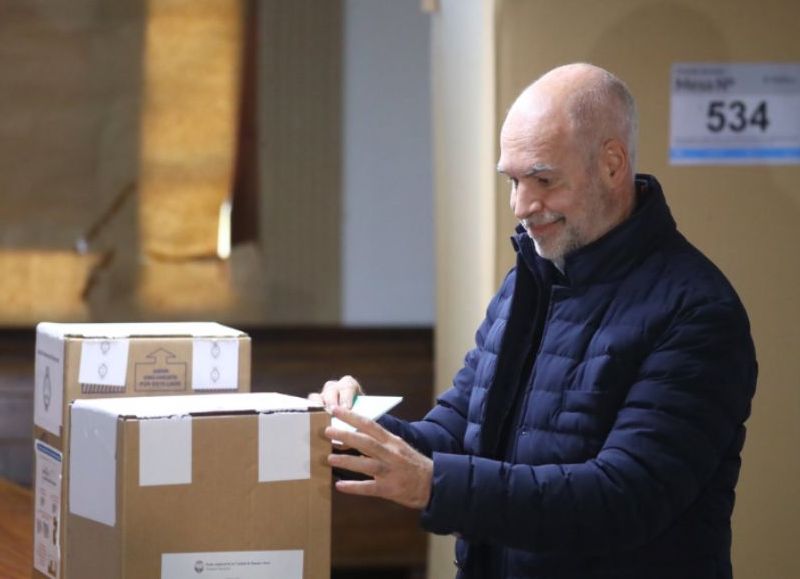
x=161 y=356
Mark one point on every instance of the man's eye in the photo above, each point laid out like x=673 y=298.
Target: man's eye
x=544 y=181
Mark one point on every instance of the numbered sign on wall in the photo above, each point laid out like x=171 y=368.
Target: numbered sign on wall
x=735 y=114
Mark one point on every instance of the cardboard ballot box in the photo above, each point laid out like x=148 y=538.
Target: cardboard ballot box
x=228 y=486
x=76 y=361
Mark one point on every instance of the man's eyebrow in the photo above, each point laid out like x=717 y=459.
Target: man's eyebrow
x=533 y=171
x=539 y=168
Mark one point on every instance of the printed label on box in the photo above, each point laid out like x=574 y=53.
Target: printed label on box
x=49 y=389
x=215 y=364
x=47 y=510
x=233 y=565
x=163 y=371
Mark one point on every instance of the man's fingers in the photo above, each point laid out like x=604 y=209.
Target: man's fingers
x=346 y=398
x=363 y=443
x=362 y=424
x=362 y=464
x=399 y=473
x=330 y=394
x=348 y=389
x=315 y=398
x=364 y=488
x=340 y=392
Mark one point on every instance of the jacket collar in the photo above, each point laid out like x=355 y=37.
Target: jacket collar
x=616 y=252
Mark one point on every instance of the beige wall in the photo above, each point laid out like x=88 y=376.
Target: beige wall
x=744 y=218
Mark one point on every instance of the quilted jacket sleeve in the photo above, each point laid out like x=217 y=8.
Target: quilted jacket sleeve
x=442 y=429
x=682 y=414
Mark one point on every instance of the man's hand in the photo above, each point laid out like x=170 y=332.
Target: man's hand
x=341 y=392
x=399 y=473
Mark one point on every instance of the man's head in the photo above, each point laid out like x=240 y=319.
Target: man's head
x=568 y=146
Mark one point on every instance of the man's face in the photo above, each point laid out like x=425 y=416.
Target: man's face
x=556 y=191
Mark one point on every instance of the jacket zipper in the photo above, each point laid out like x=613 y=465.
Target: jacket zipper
x=529 y=385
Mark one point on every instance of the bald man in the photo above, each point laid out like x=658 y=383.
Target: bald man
x=595 y=429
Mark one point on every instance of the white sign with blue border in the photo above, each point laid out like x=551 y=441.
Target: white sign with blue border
x=735 y=114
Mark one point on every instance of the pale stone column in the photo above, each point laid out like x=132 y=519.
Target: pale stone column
x=464 y=180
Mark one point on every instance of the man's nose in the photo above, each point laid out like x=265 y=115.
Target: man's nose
x=525 y=202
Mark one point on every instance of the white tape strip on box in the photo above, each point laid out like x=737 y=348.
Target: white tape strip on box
x=104 y=362
x=284 y=446
x=129 y=330
x=165 y=406
x=165 y=451
x=215 y=364
x=93 y=465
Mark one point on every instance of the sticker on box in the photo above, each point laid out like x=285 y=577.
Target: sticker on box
x=215 y=364
x=47 y=510
x=163 y=371
x=104 y=366
x=49 y=388
x=233 y=565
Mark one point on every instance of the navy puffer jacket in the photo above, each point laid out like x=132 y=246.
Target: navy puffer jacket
x=622 y=445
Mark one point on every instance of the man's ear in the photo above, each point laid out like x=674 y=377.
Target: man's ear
x=613 y=161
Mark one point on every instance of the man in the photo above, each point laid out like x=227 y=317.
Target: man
x=596 y=428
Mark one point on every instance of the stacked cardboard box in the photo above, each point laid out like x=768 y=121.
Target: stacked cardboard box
x=75 y=361
x=220 y=486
